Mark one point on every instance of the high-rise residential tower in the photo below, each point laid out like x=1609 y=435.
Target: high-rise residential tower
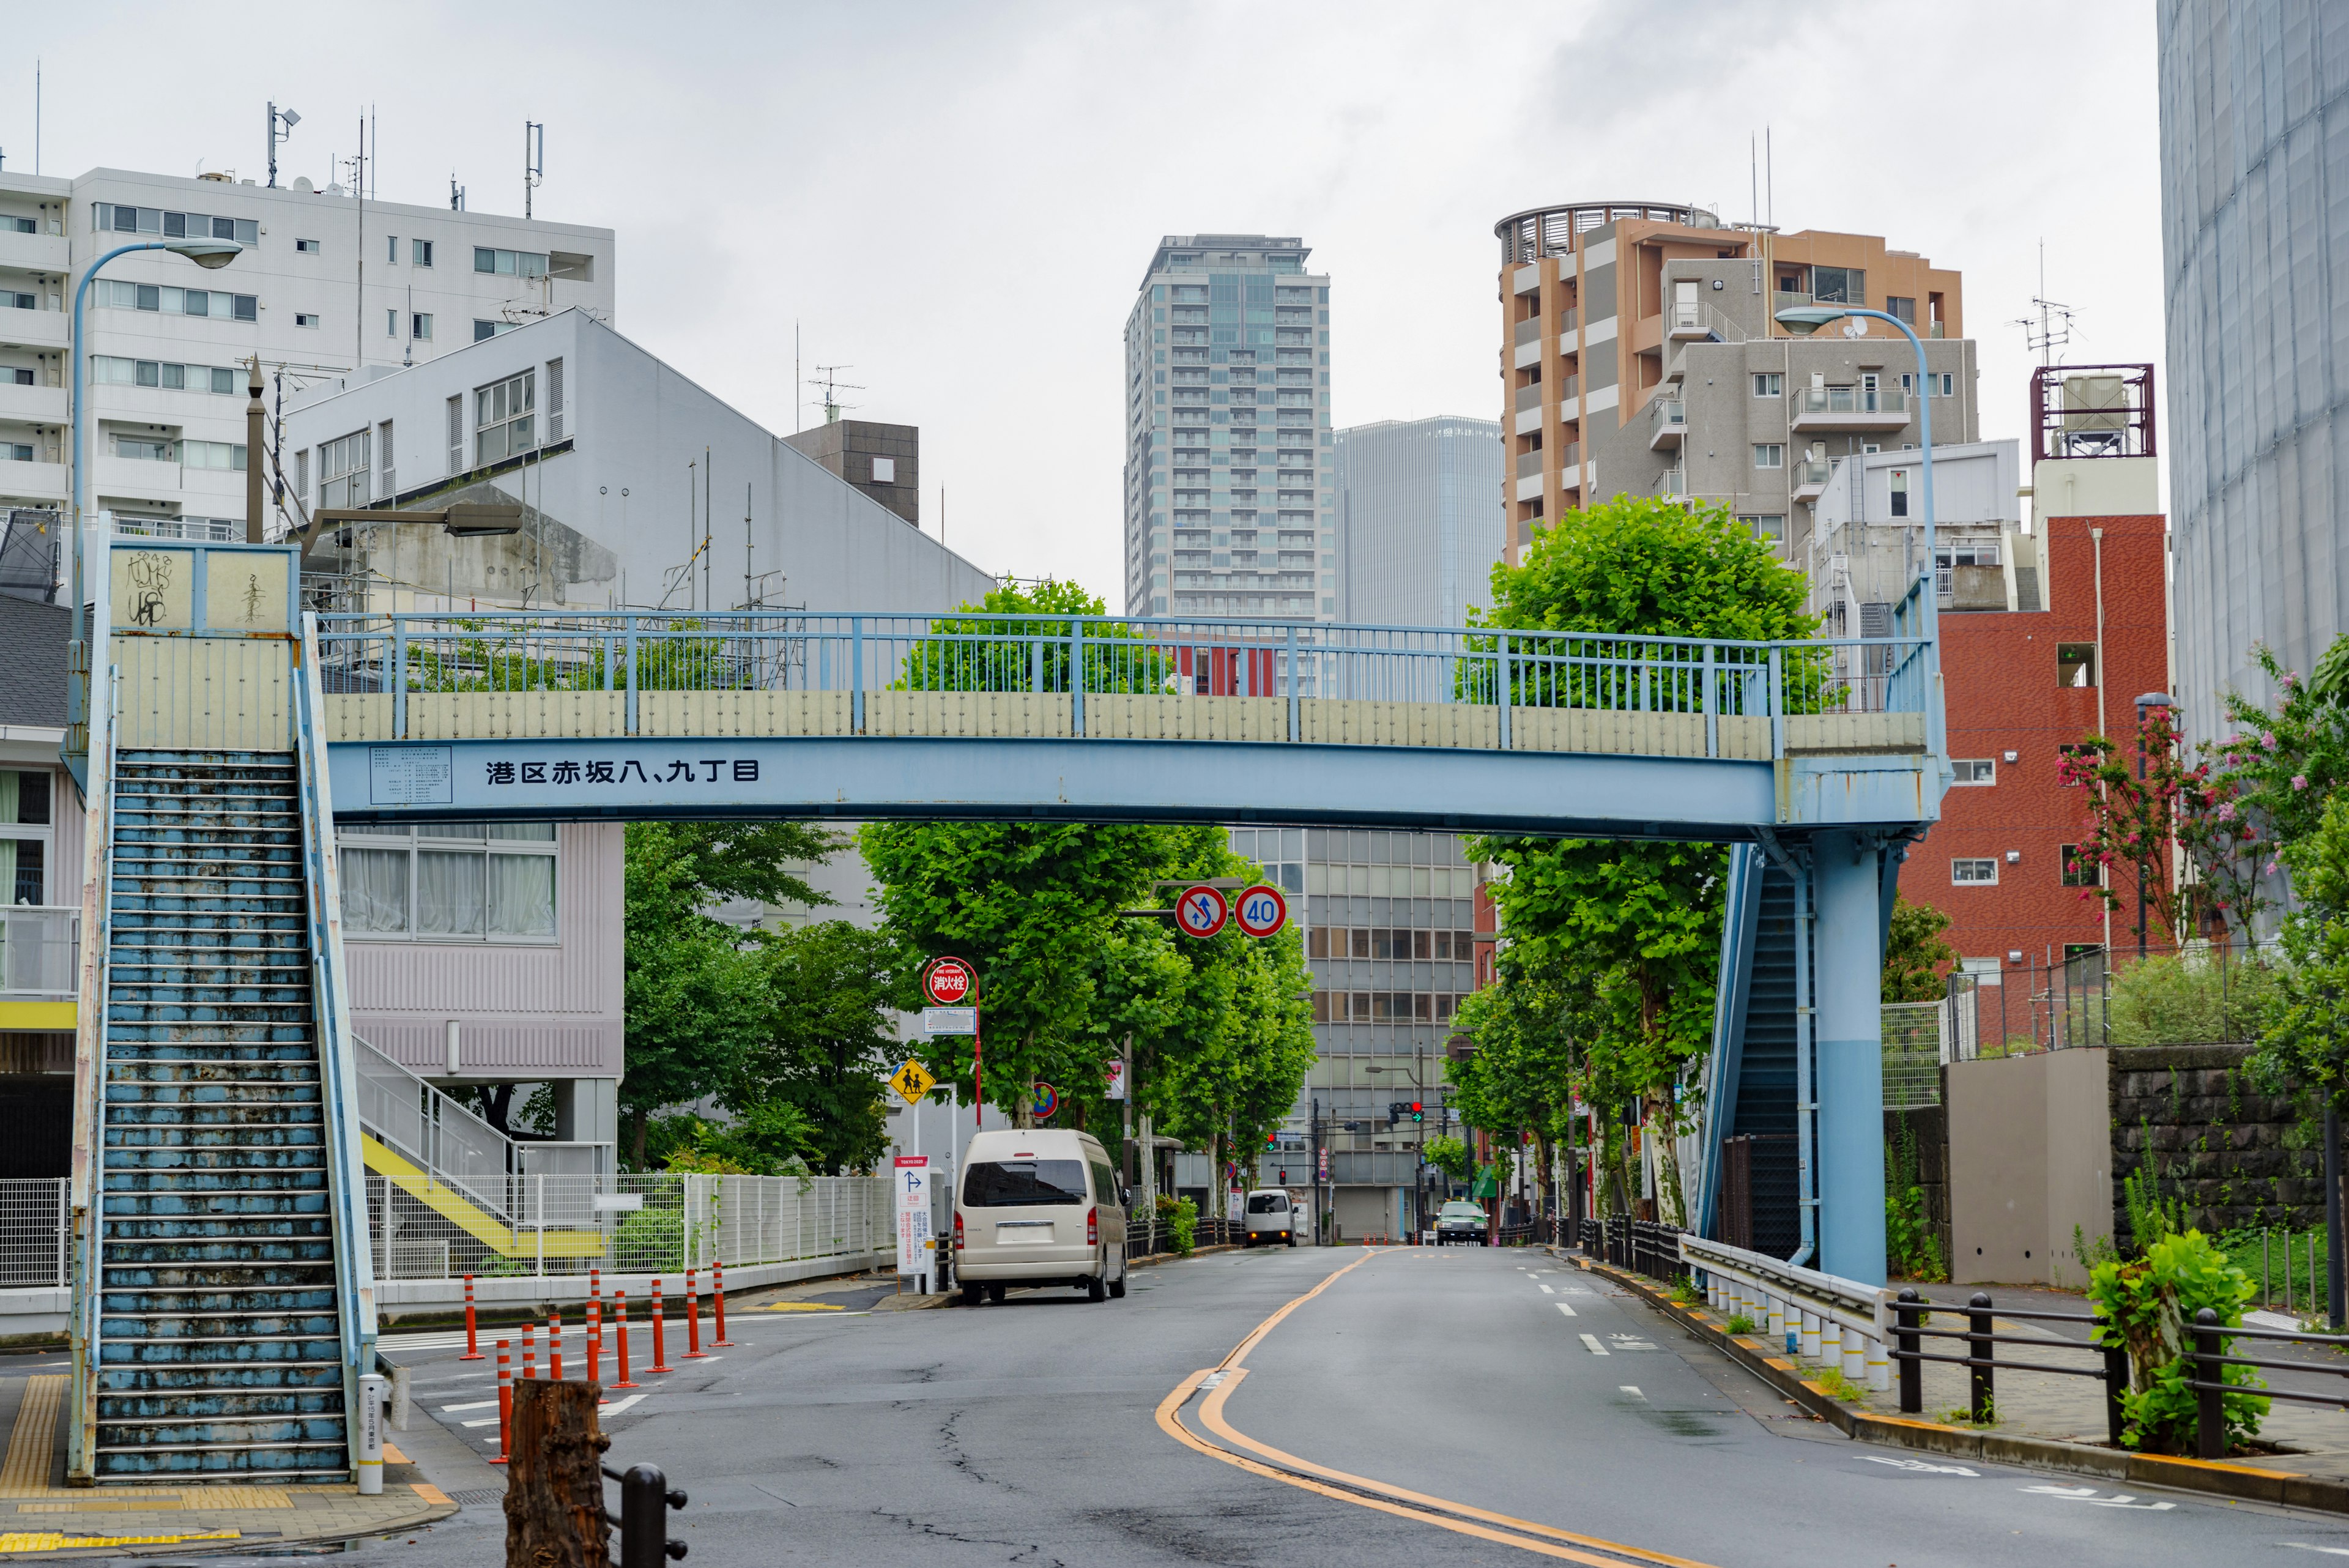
x=2259 y=381
x=1641 y=356
x=1231 y=497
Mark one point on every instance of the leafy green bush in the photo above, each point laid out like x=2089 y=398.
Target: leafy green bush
x=2202 y=999
x=2150 y=1303
x=1740 y=1324
x=1910 y=1241
x=1181 y=1217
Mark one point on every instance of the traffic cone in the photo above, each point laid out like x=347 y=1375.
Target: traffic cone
x=660 y=1361
x=554 y=1345
x=718 y=1294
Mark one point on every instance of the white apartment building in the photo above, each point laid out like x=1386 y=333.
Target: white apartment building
x=1231 y=486
x=326 y=284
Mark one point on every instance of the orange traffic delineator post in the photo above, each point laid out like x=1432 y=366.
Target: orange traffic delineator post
x=717 y=1295
x=529 y=1350
x=594 y=1340
x=693 y=1351
x=472 y=1348
x=620 y=1307
x=554 y=1345
x=660 y=1360
x=505 y=1400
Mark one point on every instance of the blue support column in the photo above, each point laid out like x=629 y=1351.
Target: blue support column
x=1850 y=1055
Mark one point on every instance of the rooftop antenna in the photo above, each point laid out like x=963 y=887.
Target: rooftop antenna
x=534 y=160
x=36 y=117
x=828 y=377
x=2052 y=329
x=456 y=193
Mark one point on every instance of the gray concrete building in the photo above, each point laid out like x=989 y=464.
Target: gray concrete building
x=1230 y=498
x=2252 y=172
x=1642 y=357
x=1420 y=519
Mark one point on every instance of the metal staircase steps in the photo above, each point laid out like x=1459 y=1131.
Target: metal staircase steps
x=218 y=1327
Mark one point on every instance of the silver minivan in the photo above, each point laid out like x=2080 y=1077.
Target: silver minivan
x=1038 y=1207
x=1271 y=1217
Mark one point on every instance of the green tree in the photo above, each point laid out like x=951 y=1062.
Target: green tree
x=1632 y=931
x=1519 y=1077
x=2306 y=1044
x=1916 y=959
x=833 y=991
x=694 y=997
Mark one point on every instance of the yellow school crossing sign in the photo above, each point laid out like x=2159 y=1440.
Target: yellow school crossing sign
x=913 y=1081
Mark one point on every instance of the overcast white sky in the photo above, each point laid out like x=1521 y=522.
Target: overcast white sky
x=958 y=200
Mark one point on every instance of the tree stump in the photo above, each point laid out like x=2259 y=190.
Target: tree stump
x=554 y=1479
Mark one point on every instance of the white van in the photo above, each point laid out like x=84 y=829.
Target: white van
x=1039 y=1207
x=1271 y=1217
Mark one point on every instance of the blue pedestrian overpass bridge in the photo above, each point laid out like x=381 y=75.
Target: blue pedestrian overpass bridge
x=224 y=1297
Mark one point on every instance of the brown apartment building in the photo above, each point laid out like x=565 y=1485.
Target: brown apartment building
x=1641 y=356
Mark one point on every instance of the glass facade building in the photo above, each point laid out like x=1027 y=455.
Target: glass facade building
x=1420 y=519
x=1230 y=496
x=2251 y=97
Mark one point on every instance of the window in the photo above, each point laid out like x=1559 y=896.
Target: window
x=1981 y=873
x=555 y=399
x=16 y=451
x=516 y=264
x=1839 y=284
x=343 y=472
x=226 y=456
x=213 y=303
x=484 y=330
x=145 y=449
x=884 y=471
x=386 y=457
x=19 y=226
x=1900 y=492
x=24 y=830
x=305 y=319
x=107 y=369
x=1771 y=526
x=503 y=418
x=420 y=325
x=1770 y=384
x=1940 y=384
x=451 y=881
x=1023 y=1183
x=16 y=301
x=2079 y=864
x=302 y=474
x=421 y=251
x=108 y=218
x=391 y=250
x=308 y=247
x=2076 y=664
x=456 y=435
x=1902 y=308
x=1769 y=455
x=391 y=322
x=1973 y=770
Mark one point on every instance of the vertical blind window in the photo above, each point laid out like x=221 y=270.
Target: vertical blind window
x=468 y=881
x=503 y=415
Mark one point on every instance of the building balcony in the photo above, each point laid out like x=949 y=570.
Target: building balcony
x=34 y=328
x=1847 y=409
x=1685 y=321
x=1808 y=480
x=1667 y=423
x=35 y=252
x=1529 y=397
x=1529 y=330
x=1671 y=485
x=36 y=481
x=1529 y=487
x=34 y=405
x=1529 y=462
x=39 y=962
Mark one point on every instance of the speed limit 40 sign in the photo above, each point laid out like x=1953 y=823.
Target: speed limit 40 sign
x=1261 y=911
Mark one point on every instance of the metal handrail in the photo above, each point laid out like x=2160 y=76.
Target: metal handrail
x=90 y=1177
x=338 y=1072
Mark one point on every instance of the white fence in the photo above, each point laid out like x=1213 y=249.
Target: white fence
x=662 y=1223
x=36 y=1232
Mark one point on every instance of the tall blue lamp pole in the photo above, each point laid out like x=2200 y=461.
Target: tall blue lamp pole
x=1847 y=877
x=207 y=253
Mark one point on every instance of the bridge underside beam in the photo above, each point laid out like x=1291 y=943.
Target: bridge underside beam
x=857 y=778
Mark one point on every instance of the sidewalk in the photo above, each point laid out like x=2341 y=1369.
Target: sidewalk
x=2044 y=1419
x=40 y=1514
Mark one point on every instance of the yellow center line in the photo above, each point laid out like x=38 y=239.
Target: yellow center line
x=1211 y=1414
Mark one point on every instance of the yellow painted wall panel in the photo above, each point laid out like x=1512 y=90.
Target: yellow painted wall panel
x=205 y=693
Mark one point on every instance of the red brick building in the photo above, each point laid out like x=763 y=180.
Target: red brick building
x=2075 y=628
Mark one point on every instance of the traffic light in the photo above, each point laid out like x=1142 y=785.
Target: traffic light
x=1394 y=1114
x=1272 y=1138
x=1417 y=1114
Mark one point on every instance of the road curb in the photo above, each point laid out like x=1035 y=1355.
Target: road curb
x=2245 y=1482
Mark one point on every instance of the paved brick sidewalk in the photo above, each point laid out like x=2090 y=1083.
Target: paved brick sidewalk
x=39 y=1514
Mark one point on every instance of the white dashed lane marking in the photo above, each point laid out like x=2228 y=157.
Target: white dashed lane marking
x=1568 y=1311
x=1590 y=1343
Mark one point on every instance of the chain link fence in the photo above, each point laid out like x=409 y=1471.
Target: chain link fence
x=658 y=1223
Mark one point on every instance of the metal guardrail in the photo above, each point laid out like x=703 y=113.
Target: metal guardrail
x=629 y=654
x=1816 y=1316
x=449 y=1142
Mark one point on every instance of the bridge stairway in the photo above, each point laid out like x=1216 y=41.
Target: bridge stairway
x=218 y=1329
x=1767 y=1074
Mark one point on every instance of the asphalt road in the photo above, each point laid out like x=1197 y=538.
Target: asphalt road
x=1428 y=1405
